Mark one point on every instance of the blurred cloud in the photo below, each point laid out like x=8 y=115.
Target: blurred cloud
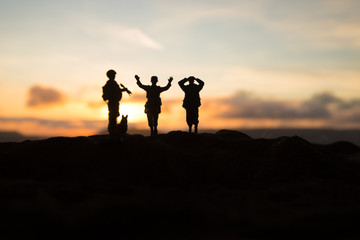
x=322 y=106
x=39 y=96
x=43 y=122
x=134 y=35
x=355 y=117
x=117 y=35
x=49 y=127
x=246 y=105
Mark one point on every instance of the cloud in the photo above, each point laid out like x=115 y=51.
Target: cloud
x=53 y=124
x=44 y=96
x=119 y=36
x=322 y=106
x=247 y=105
x=49 y=127
x=195 y=11
x=133 y=35
x=317 y=106
x=355 y=117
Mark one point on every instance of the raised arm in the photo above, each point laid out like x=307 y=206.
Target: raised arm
x=201 y=83
x=168 y=85
x=182 y=83
x=139 y=83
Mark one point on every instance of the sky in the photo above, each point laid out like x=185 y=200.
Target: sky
x=265 y=63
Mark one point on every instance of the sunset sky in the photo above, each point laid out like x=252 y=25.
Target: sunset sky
x=265 y=63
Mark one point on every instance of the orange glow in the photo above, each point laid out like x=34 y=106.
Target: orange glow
x=135 y=112
x=79 y=118
x=35 y=128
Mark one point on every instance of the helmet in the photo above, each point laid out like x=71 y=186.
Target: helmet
x=110 y=74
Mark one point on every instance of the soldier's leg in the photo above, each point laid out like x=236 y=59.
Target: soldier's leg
x=156 y=117
x=150 y=123
x=196 y=119
x=112 y=126
x=113 y=114
x=188 y=119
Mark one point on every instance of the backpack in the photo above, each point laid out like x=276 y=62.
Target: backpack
x=111 y=91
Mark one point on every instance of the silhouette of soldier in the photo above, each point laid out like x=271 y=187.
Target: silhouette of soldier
x=112 y=94
x=153 y=104
x=192 y=100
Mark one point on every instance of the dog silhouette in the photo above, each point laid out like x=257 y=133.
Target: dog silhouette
x=122 y=127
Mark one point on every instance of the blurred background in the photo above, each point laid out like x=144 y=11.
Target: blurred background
x=267 y=64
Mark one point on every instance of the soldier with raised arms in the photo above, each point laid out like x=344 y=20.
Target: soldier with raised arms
x=153 y=104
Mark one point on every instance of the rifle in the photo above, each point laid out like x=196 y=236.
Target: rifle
x=127 y=90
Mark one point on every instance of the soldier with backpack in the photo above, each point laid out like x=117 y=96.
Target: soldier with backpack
x=112 y=94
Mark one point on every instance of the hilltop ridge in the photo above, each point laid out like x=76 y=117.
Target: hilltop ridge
x=176 y=185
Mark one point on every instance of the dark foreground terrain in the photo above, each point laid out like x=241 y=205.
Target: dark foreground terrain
x=179 y=186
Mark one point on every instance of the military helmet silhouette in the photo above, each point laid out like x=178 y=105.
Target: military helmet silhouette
x=111 y=73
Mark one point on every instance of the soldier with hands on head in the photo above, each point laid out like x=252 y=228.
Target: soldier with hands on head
x=192 y=101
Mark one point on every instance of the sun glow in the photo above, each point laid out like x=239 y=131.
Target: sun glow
x=135 y=112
